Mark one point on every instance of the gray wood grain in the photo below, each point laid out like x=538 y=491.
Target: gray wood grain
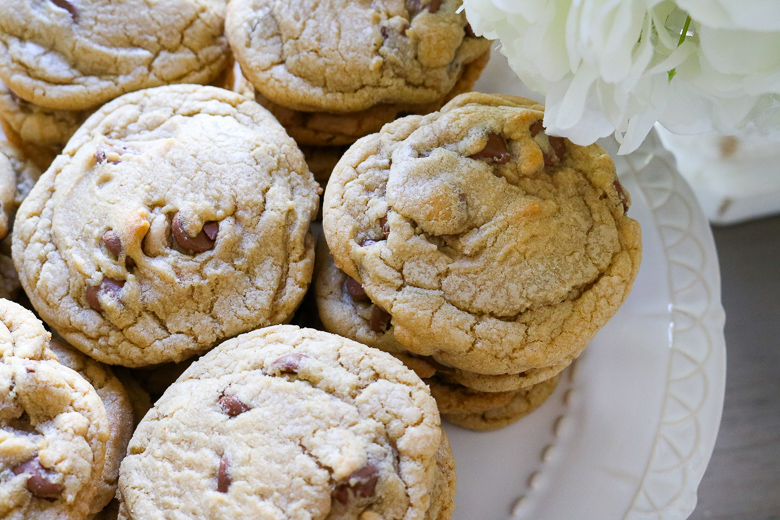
x=742 y=481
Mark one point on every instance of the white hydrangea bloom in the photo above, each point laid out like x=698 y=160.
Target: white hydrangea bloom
x=604 y=65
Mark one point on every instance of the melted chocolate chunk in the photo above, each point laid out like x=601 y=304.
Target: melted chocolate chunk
x=39 y=482
x=223 y=477
x=108 y=285
x=64 y=4
x=359 y=485
x=536 y=128
x=495 y=150
x=113 y=243
x=232 y=405
x=558 y=145
x=380 y=319
x=129 y=263
x=622 y=194
x=289 y=363
x=355 y=290
x=203 y=241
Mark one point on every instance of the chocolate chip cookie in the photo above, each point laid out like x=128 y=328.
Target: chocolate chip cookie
x=285 y=422
x=342 y=56
x=345 y=309
x=175 y=218
x=53 y=426
x=119 y=411
x=494 y=247
x=78 y=54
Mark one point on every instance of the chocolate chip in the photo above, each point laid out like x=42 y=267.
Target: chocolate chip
x=39 y=482
x=385 y=226
x=622 y=194
x=100 y=155
x=536 y=128
x=289 y=363
x=211 y=229
x=223 y=478
x=232 y=405
x=495 y=150
x=108 y=285
x=380 y=319
x=355 y=290
x=129 y=263
x=199 y=243
x=360 y=484
x=558 y=145
x=385 y=32
x=113 y=243
x=64 y=4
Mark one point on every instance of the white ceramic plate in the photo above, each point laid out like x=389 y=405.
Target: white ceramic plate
x=630 y=429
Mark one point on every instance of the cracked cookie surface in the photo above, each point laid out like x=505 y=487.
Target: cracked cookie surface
x=320 y=129
x=345 y=56
x=289 y=423
x=53 y=427
x=77 y=54
x=495 y=248
x=345 y=309
x=175 y=218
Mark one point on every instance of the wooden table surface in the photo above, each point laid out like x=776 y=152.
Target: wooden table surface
x=742 y=481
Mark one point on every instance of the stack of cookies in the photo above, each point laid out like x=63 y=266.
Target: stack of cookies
x=60 y=60
x=476 y=255
x=335 y=70
x=480 y=247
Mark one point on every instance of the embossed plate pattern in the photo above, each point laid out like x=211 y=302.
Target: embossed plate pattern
x=630 y=429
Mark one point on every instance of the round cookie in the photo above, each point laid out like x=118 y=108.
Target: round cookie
x=344 y=56
x=118 y=410
x=329 y=129
x=75 y=55
x=524 y=402
x=53 y=427
x=44 y=127
x=345 y=309
x=175 y=218
x=495 y=248
x=283 y=423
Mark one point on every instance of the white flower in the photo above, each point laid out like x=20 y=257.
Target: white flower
x=621 y=65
